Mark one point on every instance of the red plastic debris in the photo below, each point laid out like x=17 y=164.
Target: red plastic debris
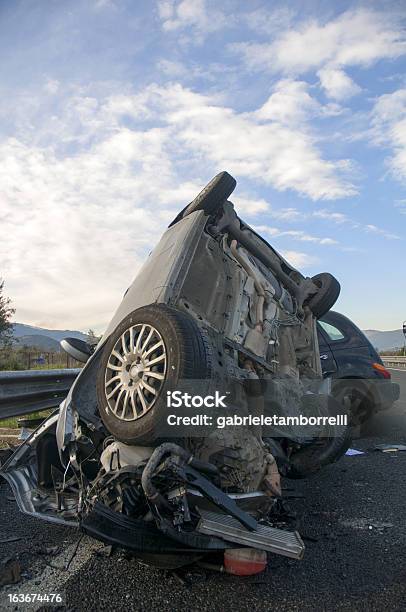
x=244 y=561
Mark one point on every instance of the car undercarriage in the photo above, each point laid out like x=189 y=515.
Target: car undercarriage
x=215 y=312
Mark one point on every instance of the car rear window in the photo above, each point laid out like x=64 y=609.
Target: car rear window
x=333 y=332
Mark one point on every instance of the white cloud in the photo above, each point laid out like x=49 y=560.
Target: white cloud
x=105 y=4
x=389 y=129
x=337 y=218
x=355 y=38
x=194 y=15
x=190 y=71
x=330 y=215
x=280 y=153
x=289 y=103
x=166 y=9
x=172 y=69
x=287 y=214
x=295 y=235
x=359 y=37
x=52 y=86
x=250 y=206
x=378 y=230
x=299 y=260
x=76 y=229
x=337 y=84
x=88 y=191
x=269 y=22
x=342 y=219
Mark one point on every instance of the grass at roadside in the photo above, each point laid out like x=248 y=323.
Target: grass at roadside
x=12 y=423
x=9 y=428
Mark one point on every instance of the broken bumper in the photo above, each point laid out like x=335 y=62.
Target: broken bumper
x=215 y=532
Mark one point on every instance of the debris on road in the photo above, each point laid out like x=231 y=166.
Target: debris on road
x=362 y=524
x=351 y=452
x=390 y=448
x=106 y=551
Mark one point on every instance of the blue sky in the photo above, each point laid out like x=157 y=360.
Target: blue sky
x=113 y=114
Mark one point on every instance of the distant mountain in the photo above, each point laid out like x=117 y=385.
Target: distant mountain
x=45 y=343
x=21 y=329
x=385 y=340
x=44 y=339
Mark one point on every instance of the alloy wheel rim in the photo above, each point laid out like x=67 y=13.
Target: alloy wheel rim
x=135 y=372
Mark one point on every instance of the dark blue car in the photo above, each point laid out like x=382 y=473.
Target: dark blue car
x=359 y=377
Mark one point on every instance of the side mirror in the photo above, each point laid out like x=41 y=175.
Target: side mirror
x=78 y=349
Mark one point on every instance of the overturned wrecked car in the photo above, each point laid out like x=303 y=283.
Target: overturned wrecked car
x=132 y=456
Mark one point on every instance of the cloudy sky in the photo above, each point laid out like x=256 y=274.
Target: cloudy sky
x=114 y=113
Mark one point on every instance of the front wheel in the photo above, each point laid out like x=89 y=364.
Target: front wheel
x=149 y=353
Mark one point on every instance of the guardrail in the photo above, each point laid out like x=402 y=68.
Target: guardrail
x=394 y=361
x=26 y=391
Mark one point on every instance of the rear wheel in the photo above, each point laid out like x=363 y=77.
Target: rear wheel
x=356 y=400
x=211 y=197
x=149 y=352
x=326 y=297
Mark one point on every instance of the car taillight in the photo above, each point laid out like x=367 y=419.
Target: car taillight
x=382 y=370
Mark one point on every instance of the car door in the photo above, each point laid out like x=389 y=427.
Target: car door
x=351 y=350
x=328 y=363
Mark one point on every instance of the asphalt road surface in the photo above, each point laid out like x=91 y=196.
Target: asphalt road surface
x=352 y=515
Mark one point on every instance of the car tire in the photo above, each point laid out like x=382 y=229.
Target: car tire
x=149 y=352
x=356 y=399
x=327 y=449
x=326 y=297
x=211 y=197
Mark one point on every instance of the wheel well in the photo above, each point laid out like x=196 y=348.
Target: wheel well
x=368 y=401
